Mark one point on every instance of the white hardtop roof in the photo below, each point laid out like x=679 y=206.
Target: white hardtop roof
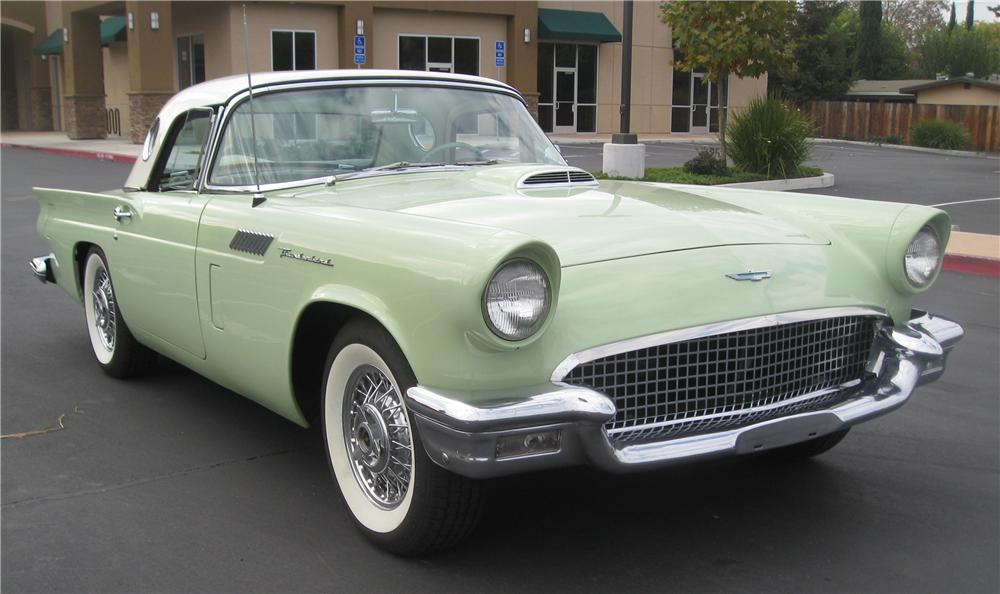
x=219 y=90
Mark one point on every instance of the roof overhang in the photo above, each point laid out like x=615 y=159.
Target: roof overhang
x=112 y=29
x=576 y=25
x=52 y=45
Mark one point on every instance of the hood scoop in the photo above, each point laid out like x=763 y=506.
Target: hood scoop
x=559 y=178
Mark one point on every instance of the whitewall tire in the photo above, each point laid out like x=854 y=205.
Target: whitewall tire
x=397 y=496
x=116 y=350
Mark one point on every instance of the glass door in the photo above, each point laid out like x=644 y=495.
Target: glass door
x=565 y=101
x=700 y=92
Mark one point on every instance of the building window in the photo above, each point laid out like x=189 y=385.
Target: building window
x=695 y=102
x=293 y=50
x=567 y=86
x=439 y=54
x=190 y=60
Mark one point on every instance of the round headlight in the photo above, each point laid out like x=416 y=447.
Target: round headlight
x=922 y=257
x=516 y=300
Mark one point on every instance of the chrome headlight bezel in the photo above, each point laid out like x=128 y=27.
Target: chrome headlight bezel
x=540 y=318
x=915 y=269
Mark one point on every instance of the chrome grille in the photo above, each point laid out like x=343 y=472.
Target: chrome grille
x=729 y=380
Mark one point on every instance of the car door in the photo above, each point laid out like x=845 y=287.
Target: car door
x=156 y=231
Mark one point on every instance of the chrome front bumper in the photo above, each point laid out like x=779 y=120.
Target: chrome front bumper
x=467 y=439
x=41 y=268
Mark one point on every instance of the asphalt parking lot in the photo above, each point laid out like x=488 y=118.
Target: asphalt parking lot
x=871 y=172
x=171 y=483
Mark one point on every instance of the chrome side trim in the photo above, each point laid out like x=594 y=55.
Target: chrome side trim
x=642 y=342
x=42 y=267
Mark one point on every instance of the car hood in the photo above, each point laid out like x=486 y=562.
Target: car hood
x=584 y=224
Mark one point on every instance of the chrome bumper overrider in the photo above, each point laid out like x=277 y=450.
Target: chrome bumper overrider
x=41 y=267
x=466 y=439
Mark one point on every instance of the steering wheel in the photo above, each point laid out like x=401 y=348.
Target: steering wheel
x=479 y=152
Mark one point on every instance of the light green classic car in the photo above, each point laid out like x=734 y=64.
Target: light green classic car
x=406 y=260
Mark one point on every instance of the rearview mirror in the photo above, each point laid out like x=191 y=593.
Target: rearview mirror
x=395 y=116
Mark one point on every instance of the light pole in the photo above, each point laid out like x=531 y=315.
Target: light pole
x=624 y=156
x=624 y=136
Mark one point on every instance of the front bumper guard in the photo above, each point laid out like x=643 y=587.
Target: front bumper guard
x=42 y=268
x=465 y=438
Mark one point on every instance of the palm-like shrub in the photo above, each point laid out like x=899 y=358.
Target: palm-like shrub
x=769 y=137
x=940 y=135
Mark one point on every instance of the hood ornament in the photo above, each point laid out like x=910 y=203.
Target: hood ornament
x=750 y=275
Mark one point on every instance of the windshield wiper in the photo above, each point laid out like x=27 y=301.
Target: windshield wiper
x=477 y=163
x=397 y=166
x=401 y=165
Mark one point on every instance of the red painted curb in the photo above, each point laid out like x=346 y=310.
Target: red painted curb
x=114 y=157
x=971 y=265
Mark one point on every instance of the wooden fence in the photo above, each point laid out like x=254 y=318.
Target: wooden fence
x=862 y=120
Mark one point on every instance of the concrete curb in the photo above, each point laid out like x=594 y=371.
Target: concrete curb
x=99 y=155
x=905 y=147
x=783 y=185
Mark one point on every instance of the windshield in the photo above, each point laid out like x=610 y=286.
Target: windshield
x=315 y=133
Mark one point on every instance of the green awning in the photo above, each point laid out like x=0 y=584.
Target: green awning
x=52 y=45
x=112 y=29
x=575 y=25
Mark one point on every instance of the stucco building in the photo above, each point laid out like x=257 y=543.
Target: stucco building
x=94 y=68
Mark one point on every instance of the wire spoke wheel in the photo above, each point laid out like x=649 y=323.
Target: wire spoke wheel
x=378 y=438
x=105 y=318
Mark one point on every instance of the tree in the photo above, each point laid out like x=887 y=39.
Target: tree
x=952 y=21
x=745 y=39
x=821 y=66
x=896 y=57
x=960 y=51
x=912 y=18
x=970 y=17
x=870 y=39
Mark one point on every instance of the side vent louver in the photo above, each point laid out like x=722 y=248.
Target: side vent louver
x=559 y=178
x=251 y=242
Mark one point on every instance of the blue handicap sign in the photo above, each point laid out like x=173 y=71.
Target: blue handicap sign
x=359 y=41
x=500 y=54
x=359 y=50
x=500 y=62
x=500 y=45
x=359 y=58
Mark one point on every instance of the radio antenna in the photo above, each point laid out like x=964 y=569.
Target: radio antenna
x=258 y=197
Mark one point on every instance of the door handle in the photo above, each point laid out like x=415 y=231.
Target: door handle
x=122 y=213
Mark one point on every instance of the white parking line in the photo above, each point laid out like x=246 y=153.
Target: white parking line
x=966 y=201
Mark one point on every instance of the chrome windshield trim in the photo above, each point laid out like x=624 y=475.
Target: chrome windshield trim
x=680 y=335
x=225 y=114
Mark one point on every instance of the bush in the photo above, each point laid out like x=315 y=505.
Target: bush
x=940 y=135
x=769 y=137
x=708 y=161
